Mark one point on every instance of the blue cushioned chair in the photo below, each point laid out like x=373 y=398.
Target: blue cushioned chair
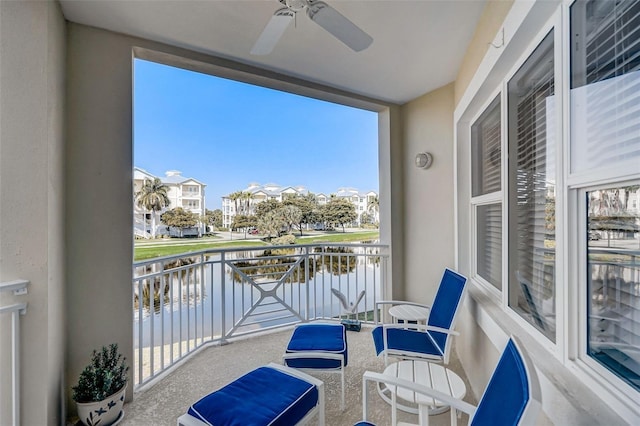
x=318 y=346
x=512 y=397
x=269 y=395
x=430 y=341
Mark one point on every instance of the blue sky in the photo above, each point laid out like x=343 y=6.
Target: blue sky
x=227 y=134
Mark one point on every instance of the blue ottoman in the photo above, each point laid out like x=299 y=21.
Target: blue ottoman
x=270 y=395
x=318 y=347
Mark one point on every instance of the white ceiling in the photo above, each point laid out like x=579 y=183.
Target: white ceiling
x=417 y=45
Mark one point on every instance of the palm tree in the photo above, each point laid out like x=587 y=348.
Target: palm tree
x=153 y=197
x=247 y=197
x=235 y=196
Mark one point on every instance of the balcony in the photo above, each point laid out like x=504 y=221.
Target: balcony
x=233 y=310
x=214 y=366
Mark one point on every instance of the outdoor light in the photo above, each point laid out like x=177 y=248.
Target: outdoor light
x=424 y=160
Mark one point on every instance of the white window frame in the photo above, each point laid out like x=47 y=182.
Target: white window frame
x=553 y=24
x=490 y=198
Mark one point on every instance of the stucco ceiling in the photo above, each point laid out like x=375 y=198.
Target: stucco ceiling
x=418 y=45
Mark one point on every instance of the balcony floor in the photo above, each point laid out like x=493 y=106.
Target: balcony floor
x=215 y=366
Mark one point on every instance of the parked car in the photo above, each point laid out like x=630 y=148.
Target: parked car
x=593 y=235
x=253 y=231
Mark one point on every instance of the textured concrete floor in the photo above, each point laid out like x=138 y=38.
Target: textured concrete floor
x=215 y=366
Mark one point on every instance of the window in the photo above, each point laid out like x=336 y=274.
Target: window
x=486 y=165
x=613 y=281
x=531 y=192
x=605 y=84
x=605 y=134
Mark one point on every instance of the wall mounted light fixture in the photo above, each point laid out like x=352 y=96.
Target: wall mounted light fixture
x=424 y=160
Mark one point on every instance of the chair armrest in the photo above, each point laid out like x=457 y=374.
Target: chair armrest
x=313 y=355
x=422 y=327
x=421 y=389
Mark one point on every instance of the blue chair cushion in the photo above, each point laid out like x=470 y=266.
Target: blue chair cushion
x=401 y=339
x=326 y=338
x=363 y=423
x=507 y=393
x=264 y=396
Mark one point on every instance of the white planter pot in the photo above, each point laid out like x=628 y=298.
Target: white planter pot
x=102 y=413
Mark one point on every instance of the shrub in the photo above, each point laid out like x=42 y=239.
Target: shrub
x=285 y=239
x=104 y=376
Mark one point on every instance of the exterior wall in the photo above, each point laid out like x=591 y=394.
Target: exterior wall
x=32 y=60
x=99 y=168
x=429 y=242
x=486 y=32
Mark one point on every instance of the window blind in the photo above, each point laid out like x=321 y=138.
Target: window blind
x=532 y=189
x=605 y=81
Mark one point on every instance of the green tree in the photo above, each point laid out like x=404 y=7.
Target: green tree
x=267 y=206
x=179 y=218
x=291 y=215
x=366 y=218
x=308 y=206
x=153 y=197
x=244 y=222
x=213 y=218
x=270 y=223
x=339 y=211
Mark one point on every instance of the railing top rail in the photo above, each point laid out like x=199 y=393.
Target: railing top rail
x=18 y=307
x=613 y=250
x=15 y=286
x=255 y=248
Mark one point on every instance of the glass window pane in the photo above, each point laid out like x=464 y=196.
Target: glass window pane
x=605 y=83
x=489 y=239
x=531 y=218
x=486 y=151
x=613 y=273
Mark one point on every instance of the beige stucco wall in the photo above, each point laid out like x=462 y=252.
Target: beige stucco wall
x=487 y=29
x=99 y=181
x=427 y=125
x=32 y=56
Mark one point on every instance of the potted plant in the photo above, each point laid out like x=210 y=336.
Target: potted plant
x=99 y=394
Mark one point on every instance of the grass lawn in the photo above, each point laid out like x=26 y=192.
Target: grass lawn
x=143 y=253
x=148 y=250
x=340 y=237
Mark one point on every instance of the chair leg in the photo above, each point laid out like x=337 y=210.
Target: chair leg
x=321 y=405
x=342 y=374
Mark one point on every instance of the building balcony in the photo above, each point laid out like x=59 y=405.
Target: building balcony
x=204 y=319
x=217 y=365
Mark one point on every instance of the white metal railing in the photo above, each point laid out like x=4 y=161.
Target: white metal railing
x=183 y=302
x=18 y=287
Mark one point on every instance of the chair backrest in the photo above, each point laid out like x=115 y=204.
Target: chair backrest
x=526 y=286
x=513 y=395
x=445 y=307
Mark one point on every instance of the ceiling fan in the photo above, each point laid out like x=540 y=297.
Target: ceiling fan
x=320 y=13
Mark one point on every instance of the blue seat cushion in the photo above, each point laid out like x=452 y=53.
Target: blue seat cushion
x=363 y=423
x=400 y=339
x=324 y=338
x=264 y=396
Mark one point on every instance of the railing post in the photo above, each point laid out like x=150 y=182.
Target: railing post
x=223 y=303
x=308 y=284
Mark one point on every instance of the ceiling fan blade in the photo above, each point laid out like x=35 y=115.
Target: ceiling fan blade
x=272 y=32
x=339 y=26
